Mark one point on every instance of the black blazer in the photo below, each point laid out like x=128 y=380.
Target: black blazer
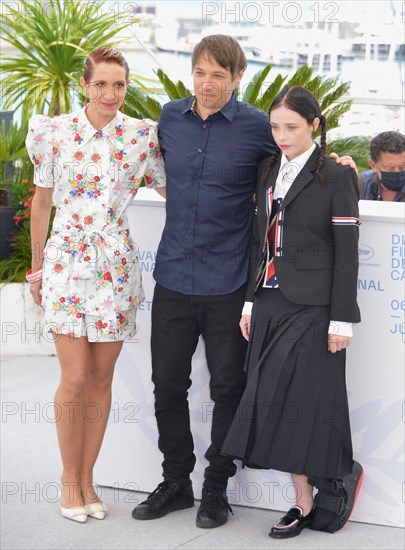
x=316 y=260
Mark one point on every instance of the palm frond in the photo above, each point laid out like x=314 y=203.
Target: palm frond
x=53 y=40
x=255 y=85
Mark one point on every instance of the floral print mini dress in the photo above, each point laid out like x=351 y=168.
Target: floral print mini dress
x=92 y=281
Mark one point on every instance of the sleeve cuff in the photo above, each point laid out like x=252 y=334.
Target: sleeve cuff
x=247 y=308
x=341 y=328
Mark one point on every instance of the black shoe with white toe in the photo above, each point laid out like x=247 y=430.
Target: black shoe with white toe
x=292 y=523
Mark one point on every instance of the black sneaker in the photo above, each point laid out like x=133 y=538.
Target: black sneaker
x=167 y=497
x=213 y=510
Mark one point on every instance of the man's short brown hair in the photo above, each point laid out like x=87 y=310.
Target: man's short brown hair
x=226 y=51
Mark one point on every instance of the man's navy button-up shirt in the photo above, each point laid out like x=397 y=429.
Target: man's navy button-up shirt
x=211 y=169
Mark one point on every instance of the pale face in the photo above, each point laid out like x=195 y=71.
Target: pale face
x=106 y=89
x=291 y=131
x=389 y=162
x=213 y=85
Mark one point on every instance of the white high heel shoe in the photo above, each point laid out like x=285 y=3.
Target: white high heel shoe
x=96 y=510
x=77 y=513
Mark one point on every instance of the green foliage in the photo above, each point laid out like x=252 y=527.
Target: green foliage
x=15 y=167
x=173 y=90
x=14 y=268
x=53 y=40
x=140 y=105
x=358 y=147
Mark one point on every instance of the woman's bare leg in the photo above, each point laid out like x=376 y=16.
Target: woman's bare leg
x=96 y=410
x=74 y=358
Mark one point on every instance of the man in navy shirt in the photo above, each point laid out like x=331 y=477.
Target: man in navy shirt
x=212 y=145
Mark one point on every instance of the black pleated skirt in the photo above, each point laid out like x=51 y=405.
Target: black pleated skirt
x=294 y=414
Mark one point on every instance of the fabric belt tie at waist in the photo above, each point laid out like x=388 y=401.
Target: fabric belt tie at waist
x=95 y=247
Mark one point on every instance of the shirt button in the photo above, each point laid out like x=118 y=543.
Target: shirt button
x=188 y=257
x=195 y=177
x=199 y=150
x=204 y=125
x=189 y=231
x=191 y=204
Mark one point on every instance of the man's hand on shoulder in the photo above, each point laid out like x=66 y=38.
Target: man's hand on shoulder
x=346 y=160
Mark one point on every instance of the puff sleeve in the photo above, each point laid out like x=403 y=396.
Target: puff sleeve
x=154 y=175
x=40 y=147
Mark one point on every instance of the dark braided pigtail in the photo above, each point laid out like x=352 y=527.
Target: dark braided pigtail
x=322 y=150
x=273 y=162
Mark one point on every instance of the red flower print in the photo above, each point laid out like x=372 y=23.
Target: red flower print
x=75 y=119
x=66 y=239
x=133 y=141
x=118 y=131
x=122 y=319
x=118 y=156
x=76 y=300
x=96 y=157
x=79 y=315
x=96 y=178
x=66 y=201
x=79 y=155
x=79 y=176
x=58 y=268
x=87 y=258
x=116 y=252
x=55 y=150
x=120 y=289
x=157 y=154
x=124 y=261
x=76 y=217
x=62 y=299
x=107 y=276
x=126 y=165
x=77 y=137
x=120 y=221
x=88 y=220
x=151 y=145
x=148 y=179
x=143 y=156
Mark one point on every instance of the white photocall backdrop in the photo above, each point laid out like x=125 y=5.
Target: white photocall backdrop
x=130 y=458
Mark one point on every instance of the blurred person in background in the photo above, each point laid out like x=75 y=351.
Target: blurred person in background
x=386 y=180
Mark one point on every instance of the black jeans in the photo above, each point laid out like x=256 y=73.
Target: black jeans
x=177 y=322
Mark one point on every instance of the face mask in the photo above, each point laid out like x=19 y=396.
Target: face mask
x=394 y=181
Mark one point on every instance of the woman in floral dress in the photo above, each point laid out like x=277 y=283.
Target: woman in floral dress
x=89 y=165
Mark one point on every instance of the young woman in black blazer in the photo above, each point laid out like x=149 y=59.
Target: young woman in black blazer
x=294 y=413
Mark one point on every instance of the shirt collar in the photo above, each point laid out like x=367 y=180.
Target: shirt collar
x=298 y=162
x=228 y=110
x=86 y=131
